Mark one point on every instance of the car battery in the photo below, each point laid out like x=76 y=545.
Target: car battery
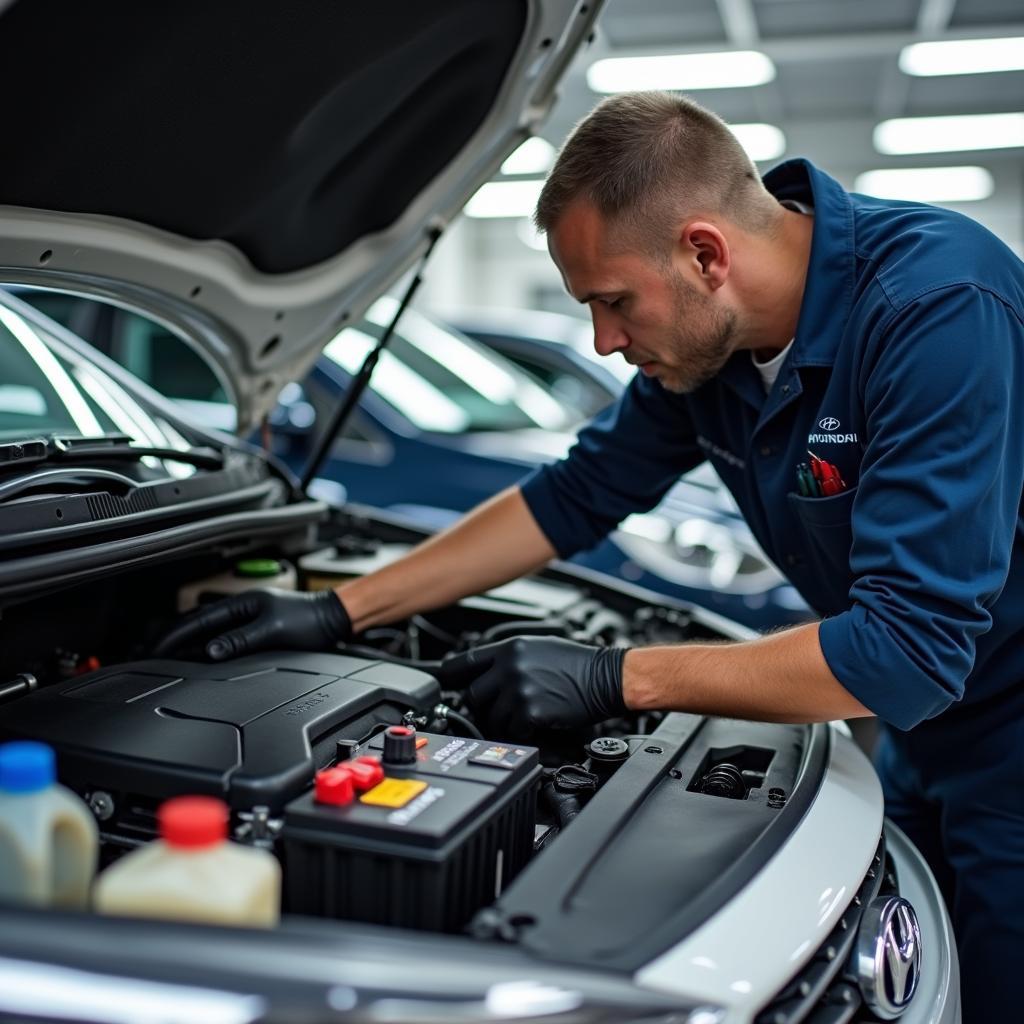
x=413 y=830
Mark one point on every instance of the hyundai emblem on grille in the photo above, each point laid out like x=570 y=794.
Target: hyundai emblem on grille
x=889 y=955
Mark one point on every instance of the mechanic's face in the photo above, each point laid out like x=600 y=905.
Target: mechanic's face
x=660 y=321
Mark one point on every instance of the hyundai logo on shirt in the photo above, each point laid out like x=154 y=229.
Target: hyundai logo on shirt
x=831 y=424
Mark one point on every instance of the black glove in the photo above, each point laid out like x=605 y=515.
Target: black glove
x=260 y=619
x=529 y=683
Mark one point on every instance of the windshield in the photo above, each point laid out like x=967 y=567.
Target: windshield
x=38 y=393
x=444 y=382
x=47 y=388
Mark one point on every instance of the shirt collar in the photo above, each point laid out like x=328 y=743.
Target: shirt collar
x=828 y=293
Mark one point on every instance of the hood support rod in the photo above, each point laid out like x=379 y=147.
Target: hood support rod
x=362 y=379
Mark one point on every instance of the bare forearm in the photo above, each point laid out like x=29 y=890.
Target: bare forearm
x=779 y=678
x=495 y=542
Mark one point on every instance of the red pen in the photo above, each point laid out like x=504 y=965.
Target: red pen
x=830 y=485
x=829 y=480
x=833 y=483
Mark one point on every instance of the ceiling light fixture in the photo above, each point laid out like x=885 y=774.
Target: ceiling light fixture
x=505 y=199
x=927 y=184
x=963 y=56
x=949 y=134
x=761 y=141
x=734 y=69
x=534 y=156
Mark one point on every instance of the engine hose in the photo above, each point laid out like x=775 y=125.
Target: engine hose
x=468 y=728
x=524 y=627
x=363 y=651
x=565 y=805
x=598 y=624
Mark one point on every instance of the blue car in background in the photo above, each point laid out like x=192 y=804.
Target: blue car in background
x=445 y=424
x=556 y=349
x=713 y=550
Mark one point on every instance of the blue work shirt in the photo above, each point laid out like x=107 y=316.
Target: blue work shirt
x=907 y=373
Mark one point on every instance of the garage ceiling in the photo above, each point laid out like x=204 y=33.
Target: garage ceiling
x=837 y=77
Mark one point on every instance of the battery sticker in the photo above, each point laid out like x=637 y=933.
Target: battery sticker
x=453 y=753
x=417 y=807
x=393 y=792
x=501 y=757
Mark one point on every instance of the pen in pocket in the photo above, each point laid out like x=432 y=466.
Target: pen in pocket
x=819 y=479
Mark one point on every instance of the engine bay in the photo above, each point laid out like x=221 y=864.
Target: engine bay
x=461 y=832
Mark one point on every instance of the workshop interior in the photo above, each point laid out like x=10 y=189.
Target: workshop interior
x=274 y=310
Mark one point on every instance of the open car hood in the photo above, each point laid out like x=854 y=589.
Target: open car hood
x=256 y=175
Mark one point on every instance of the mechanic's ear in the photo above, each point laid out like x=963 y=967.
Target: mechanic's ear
x=706 y=252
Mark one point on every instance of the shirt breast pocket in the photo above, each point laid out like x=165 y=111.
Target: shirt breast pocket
x=827 y=532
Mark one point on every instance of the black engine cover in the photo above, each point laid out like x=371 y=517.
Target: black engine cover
x=252 y=731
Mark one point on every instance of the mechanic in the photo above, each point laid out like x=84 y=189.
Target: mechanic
x=853 y=369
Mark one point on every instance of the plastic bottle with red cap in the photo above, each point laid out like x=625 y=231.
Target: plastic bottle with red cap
x=193 y=872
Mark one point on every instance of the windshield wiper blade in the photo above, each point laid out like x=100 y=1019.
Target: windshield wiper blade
x=32 y=449
x=55 y=477
x=68 y=449
x=201 y=458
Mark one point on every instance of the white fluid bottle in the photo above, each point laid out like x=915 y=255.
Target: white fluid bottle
x=248 y=574
x=49 y=842
x=193 y=872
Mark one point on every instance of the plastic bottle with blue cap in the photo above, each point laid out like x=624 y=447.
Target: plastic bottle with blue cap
x=49 y=842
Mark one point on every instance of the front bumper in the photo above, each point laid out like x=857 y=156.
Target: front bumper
x=938 y=995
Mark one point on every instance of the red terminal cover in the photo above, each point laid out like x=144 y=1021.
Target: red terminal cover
x=335 y=786
x=193 y=821
x=366 y=772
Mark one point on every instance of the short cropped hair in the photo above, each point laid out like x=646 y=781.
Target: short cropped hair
x=645 y=159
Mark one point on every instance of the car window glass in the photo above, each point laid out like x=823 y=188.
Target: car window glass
x=442 y=381
x=58 y=306
x=574 y=390
x=150 y=351
x=162 y=359
x=40 y=392
x=412 y=394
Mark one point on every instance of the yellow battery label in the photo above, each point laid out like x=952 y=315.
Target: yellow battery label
x=393 y=792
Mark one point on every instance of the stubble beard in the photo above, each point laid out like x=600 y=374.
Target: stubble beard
x=700 y=350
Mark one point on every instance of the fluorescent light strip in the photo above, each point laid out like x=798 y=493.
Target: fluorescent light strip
x=949 y=134
x=42 y=990
x=412 y=395
x=505 y=199
x=77 y=407
x=760 y=141
x=927 y=184
x=963 y=56
x=736 y=69
x=534 y=156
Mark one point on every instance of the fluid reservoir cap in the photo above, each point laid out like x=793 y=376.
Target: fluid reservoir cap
x=399 y=745
x=193 y=821
x=26 y=767
x=334 y=786
x=258 y=568
x=608 y=748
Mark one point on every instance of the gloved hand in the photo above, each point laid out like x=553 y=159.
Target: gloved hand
x=527 y=683
x=261 y=619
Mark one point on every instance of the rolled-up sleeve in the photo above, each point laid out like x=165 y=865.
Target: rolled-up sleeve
x=937 y=504
x=623 y=462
